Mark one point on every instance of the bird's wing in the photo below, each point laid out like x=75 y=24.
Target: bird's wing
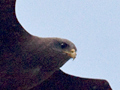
x=62 y=81
x=9 y=25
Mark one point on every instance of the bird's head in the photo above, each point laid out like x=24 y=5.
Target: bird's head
x=57 y=51
x=65 y=47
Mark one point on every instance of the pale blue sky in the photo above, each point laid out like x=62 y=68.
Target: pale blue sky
x=92 y=25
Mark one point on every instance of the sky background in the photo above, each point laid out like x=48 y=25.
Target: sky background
x=92 y=25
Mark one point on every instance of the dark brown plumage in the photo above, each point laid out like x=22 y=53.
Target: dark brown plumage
x=27 y=61
x=62 y=81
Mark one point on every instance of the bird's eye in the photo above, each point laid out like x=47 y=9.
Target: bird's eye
x=63 y=45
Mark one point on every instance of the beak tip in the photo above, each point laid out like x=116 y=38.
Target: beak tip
x=73 y=53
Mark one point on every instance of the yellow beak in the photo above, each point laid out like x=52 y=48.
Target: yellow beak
x=71 y=53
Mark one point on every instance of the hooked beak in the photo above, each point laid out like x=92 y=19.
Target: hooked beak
x=71 y=53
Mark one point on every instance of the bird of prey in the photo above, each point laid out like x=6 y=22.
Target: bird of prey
x=27 y=61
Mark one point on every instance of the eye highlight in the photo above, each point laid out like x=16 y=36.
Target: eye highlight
x=63 y=45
